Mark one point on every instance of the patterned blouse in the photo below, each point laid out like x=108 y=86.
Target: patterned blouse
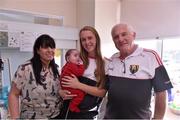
x=37 y=101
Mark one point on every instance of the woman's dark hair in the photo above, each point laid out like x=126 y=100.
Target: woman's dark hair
x=43 y=41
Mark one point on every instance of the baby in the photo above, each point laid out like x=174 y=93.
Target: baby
x=74 y=65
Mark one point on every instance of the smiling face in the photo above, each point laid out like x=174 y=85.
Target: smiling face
x=123 y=37
x=44 y=49
x=88 y=41
x=46 y=54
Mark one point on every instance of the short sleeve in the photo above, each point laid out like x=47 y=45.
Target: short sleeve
x=20 y=77
x=161 y=79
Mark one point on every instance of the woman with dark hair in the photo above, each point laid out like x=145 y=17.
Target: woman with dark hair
x=36 y=83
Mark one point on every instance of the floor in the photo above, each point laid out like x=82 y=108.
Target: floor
x=171 y=116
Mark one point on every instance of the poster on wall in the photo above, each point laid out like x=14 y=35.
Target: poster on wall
x=23 y=35
x=13 y=38
x=8 y=37
x=3 y=38
x=3 y=34
x=27 y=39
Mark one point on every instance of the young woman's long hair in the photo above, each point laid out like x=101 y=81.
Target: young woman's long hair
x=100 y=71
x=43 y=41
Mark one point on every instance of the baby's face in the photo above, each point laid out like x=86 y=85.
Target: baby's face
x=74 y=57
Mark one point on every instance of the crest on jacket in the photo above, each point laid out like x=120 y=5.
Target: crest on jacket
x=134 y=68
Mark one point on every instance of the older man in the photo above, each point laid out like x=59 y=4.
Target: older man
x=133 y=73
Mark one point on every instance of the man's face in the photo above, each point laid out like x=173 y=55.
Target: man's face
x=123 y=38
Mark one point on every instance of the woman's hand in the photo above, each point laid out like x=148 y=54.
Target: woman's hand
x=70 y=81
x=73 y=82
x=66 y=95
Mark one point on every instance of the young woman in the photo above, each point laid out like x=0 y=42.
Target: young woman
x=36 y=83
x=94 y=74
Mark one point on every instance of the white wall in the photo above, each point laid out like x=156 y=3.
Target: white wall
x=66 y=8
x=107 y=14
x=152 y=18
x=85 y=13
x=102 y=14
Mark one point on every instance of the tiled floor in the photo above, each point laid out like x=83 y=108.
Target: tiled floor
x=171 y=116
x=168 y=115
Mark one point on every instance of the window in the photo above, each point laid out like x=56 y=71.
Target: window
x=57 y=57
x=153 y=44
x=169 y=51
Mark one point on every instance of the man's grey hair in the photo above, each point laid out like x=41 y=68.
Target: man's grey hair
x=129 y=27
